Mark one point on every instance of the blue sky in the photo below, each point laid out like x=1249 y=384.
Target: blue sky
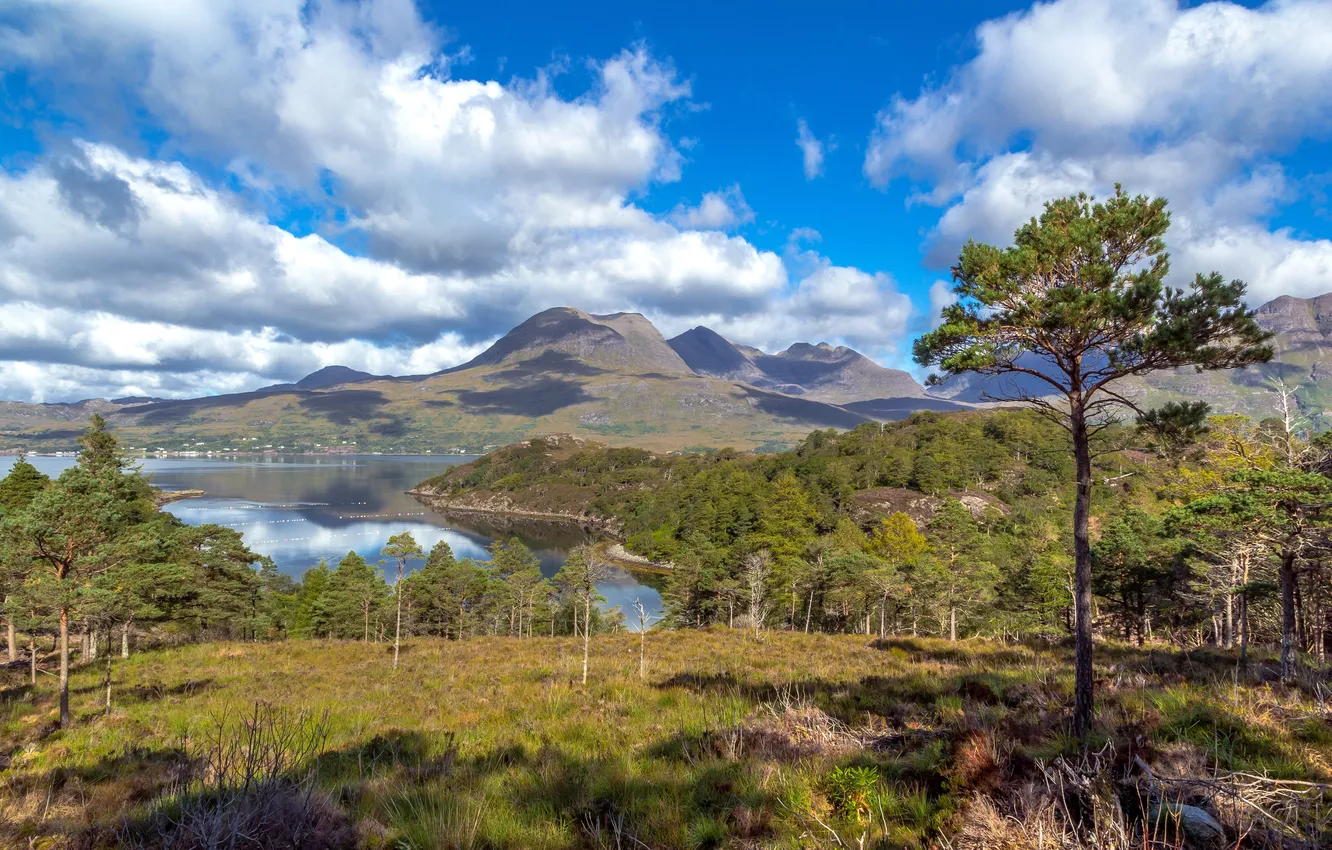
x=219 y=194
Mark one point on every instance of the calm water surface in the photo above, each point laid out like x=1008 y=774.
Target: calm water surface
x=297 y=509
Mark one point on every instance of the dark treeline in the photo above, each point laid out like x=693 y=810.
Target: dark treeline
x=447 y=597
x=957 y=525
x=89 y=567
x=943 y=524
x=89 y=554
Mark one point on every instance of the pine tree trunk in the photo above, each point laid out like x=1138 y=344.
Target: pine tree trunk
x=32 y=657
x=1301 y=617
x=1084 y=699
x=1319 y=628
x=587 y=632
x=64 y=668
x=397 y=630
x=1230 y=602
x=1244 y=628
x=12 y=638
x=1287 y=574
x=108 y=677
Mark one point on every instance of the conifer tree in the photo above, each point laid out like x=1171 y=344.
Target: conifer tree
x=17 y=490
x=355 y=590
x=1077 y=305
x=964 y=576
x=1132 y=564
x=62 y=535
x=310 y=619
x=786 y=527
x=425 y=589
x=401 y=548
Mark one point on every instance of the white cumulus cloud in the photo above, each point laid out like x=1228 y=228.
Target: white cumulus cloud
x=717 y=211
x=811 y=150
x=446 y=209
x=1196 y=103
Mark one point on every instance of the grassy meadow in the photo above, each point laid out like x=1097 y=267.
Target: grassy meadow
x=729 y=740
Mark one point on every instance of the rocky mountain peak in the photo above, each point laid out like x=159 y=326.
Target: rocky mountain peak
x=823 y=372
x=613 y=342
x=1305 y=319
x=822 y=352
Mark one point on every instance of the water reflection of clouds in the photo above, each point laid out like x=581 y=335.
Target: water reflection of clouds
x=298 y=510
x=296 y=540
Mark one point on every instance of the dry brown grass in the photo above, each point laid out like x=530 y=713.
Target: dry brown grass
x=731 y=742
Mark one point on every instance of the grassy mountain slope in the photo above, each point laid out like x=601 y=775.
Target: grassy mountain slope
x=1303 y=363
x=1303 y=342
x=611 y=377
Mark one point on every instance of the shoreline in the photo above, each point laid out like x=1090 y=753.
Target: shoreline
x=441 y=505
x=615 y=553
x=162 y=498
x=610 y=547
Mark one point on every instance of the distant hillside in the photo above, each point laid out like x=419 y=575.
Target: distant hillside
x=329 y=376
x=615 y=378
x=1303 y=361
x=820 y=372
x=1303 y=343
x=569 y=339
x=610 y=377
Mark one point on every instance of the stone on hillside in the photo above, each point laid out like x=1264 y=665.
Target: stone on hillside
x=1200 y=830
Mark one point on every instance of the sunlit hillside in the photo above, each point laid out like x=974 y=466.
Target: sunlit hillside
x=722 y=739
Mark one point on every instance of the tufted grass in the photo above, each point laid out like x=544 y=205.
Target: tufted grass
x=729 y=742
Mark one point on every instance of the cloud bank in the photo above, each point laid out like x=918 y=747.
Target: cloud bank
x=333 y=189
x=1194 y=103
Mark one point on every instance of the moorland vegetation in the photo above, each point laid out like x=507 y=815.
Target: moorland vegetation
x=880 y=638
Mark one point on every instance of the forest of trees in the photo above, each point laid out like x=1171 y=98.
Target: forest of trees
x=447 y=597
x=943 y=524
x=88 y=565
x=1050 y=521
x=1221 y=539
x=1063 y=321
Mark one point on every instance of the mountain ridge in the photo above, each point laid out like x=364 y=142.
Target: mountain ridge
x=817 y=371
x=611 y=376
x=1302 y=329
x=614 y=377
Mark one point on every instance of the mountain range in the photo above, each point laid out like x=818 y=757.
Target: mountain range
x=616 y=378
x=613 y=377
x=1302 y=329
